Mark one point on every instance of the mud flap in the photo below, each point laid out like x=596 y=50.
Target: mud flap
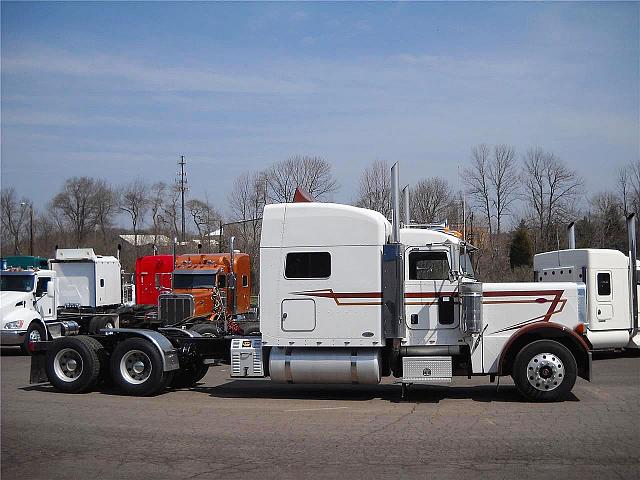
x=38 y=372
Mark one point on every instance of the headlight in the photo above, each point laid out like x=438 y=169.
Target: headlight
x=13 y=325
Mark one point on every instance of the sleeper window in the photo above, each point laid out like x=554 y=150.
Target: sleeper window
x=604 y=284
x=245 y=281
x=428 y=266
x=308 y=265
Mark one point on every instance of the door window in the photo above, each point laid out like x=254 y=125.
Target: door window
x=604 y=284
x=428 y=266
x=41 y=288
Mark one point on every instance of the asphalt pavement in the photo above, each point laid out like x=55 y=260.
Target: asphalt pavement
x=231 y=429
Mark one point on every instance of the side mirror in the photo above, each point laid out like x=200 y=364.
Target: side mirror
x=50 y=289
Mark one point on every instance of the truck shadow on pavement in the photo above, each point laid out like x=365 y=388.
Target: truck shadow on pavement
x=265 y=389
x=12 y=352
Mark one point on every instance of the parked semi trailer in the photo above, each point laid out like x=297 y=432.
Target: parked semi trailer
x=348 y=297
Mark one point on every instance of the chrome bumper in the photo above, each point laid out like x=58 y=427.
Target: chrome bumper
x=12 y=337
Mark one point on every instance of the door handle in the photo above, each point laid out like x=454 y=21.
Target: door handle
x=284 y=316
x=414 y=319
x=599 y=312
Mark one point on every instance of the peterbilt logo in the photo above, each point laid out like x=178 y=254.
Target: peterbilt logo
x=426 y=372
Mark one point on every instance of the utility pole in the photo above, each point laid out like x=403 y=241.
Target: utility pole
x=182 y=185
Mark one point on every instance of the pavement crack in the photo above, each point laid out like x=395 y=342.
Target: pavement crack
x=397 y=420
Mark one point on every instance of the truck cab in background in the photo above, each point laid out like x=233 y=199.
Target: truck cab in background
x=81 y=292
x=27 y=301
x=210 y=294
x=609 y=317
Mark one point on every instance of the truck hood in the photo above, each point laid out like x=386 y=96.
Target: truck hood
x=9 y=299
x=8 y=302
x=201 y=299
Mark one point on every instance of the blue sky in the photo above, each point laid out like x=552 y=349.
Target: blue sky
x=120 y=90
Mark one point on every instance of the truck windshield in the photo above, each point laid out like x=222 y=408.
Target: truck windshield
x=17 y=283
x=185 y=280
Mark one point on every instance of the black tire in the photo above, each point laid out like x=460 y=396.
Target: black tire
x=97 y=323
x=544 y=371
x=252 y=331
x=35 y=330
x=85 y=353
x=206 y=330
x=138 y=353
x=189 y=376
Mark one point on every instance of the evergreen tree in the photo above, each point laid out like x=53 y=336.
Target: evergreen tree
x=521 y=249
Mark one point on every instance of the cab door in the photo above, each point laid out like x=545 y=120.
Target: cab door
x=602 y=309
x=45 y=305
x=430 y=296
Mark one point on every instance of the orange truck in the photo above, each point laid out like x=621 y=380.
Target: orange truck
x=211 y=294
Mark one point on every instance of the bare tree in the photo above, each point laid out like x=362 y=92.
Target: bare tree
x=171 y=210
x=246 y=203
x=106 y=204
x=609 y=229
x=374 y=191
x=503 y=178
x=550 y=189
x=14 y=217
x=313 y=174
x=205 y=218
x=629 y=187
x=157 y=199
x=134 y=200
x=77 y=205
x=477 y=179
x=430 y=200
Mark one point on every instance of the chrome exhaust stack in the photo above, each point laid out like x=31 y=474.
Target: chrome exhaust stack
x=571 y=235
x=395 y=203
x=232 y=276
x=633 y=273
x=405 y=199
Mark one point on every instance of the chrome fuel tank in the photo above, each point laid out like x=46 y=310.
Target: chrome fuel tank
x=325 y=365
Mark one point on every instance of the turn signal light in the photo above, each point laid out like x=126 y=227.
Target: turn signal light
x=581 y=329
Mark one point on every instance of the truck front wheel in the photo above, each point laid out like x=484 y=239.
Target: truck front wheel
x=136 y=368
x=35 y=333
x=73 y=363
x=544 y=371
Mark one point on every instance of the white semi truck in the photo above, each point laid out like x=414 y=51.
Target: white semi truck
x=348 y=297
x=80 y=291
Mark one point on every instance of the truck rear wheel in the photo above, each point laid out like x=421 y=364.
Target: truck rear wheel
x=137 y=369
x=188 y=377
x=97 y=323
x=544 y=371
x=73 y=363
x=206 y=330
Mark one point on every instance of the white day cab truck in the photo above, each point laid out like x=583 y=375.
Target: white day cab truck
x=78 y=293
x=348 y=298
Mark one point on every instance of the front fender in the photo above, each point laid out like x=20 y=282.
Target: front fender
x=546 y=331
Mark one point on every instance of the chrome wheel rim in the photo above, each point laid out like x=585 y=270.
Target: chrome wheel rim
x=135 y=367
x=67 y=365
x=34 y=335
x=545 y=372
